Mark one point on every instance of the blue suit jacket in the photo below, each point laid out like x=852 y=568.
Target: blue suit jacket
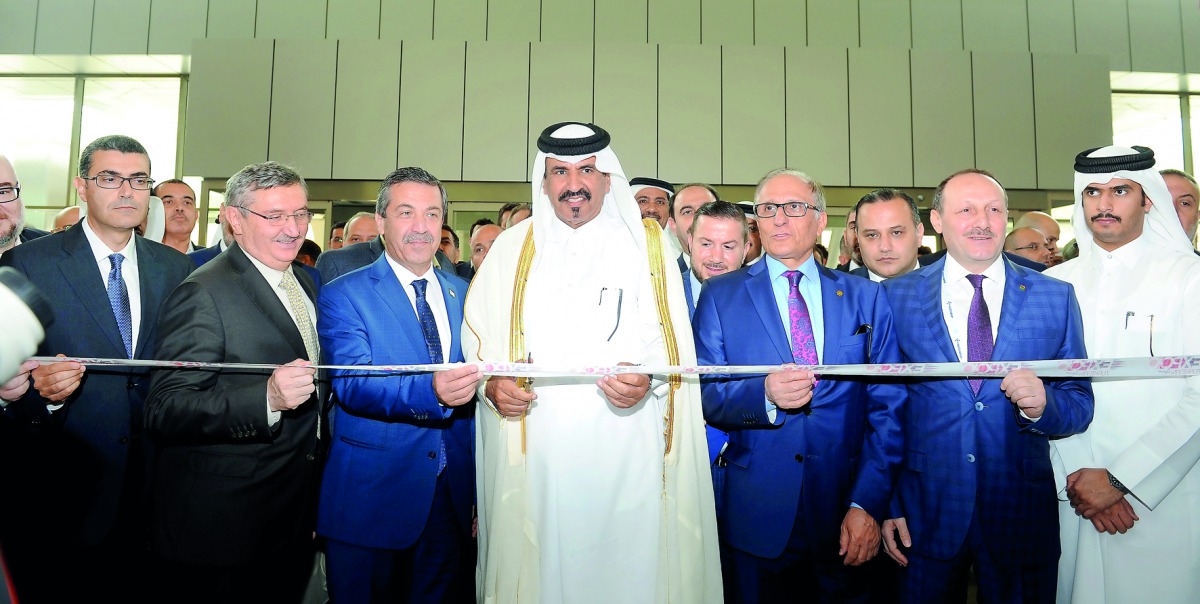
x=969 y=452
x=379 y=481
x=715 y=436
x=845 y=446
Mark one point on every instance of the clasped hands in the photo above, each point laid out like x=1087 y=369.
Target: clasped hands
x=1094 y=498
x=623 y=390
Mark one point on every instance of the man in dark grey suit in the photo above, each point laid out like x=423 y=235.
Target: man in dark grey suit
x=83 y=505
x=236 y=477
x=13 y=231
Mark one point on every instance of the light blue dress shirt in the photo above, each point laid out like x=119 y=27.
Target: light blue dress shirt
x=810 y=288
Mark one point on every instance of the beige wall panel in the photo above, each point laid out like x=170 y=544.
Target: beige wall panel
x=1073 y=111
x=365 y=112
x=64 y=27
x=1191 y=35
x=943 y=128
x=20 y=22
x=627 y=93
x=515 y=21
x=674 y=21
x=353 y=20
x=781 y=22
x=175 y=23
x=753 y=122
x=937 y=24
x=231 y=19
x=302 y=89
x=406 y=20
x=727 y=22
x=880 y=124
x=621 y=21
x=458 y=20
x=568 y=22
x=121 y=27
x=689 y=133
x=294 y=19
x=995 y=25
x=833 y=23
x=496 y=120
x=221 y=136
x=1004 y=132
x=818 y=117
x=1156 y=35
x=553 y=96
x=1052 y=26
x=431 y=107
x=884 y=24
x=1101 y=28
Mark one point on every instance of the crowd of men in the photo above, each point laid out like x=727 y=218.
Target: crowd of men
x=225 y=479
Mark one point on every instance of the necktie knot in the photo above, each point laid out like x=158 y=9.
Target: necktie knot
x=793 y=277
x=976 y=280
x=419 y=286
x=115 y=261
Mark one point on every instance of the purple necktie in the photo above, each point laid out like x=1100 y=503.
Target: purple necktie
x=979 y=329
x=804 y=346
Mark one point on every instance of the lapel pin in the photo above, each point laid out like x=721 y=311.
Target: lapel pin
x=454 y=296
x=1021 y=287
x=839 y=292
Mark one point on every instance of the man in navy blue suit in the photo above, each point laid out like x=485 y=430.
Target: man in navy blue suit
x=811 y=459
x=398 y=489
x=977 y=488
x=106 y=287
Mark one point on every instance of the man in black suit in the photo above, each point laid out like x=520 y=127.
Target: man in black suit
x=13 y=231
x=236 y=477
x=106 y=287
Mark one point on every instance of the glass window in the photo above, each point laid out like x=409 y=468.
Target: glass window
x=1195 y=115
x=38 y=140
x=1150 y=120
x=146 y=109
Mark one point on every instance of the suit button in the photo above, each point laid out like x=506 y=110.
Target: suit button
x=978 y=406
x=123 y=439
x=432 y=455
x=131 y=384
x=970 y=458
x=799 y=457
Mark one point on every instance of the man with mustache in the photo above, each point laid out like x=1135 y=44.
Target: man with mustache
x=653 y=197
x=889 y=232
x=1049 y=227
x=1128 y=517
x=589 y=490
x=106 y=287
x=238 y=451
x=1029 y=243
x=976 y=489
x=397 y=492
x=179 y=206
x=13 y=231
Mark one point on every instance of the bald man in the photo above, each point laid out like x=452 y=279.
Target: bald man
x=1048 y=226
x=13 y=231
x=1030 y=243
x=361 y=227
x=65 y=218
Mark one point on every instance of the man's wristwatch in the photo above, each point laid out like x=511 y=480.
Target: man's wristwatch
x=1116 y=484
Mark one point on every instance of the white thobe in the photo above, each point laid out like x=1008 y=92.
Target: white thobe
x=1136 y=301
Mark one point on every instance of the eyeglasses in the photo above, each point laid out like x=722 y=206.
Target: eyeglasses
x=301 y=218
x=1032 y=246
x=8 y=194
x=794 y=209
x=112 y=181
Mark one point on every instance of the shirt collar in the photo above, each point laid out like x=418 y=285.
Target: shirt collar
x=100 y=249
x=405 y=276
x=1128 y=255
x=808 y=268
x=953 y=271
x=273 y=277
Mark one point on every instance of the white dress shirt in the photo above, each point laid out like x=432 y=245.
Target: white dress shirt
x=433 y=295
x=957 y=293
x=129 y=273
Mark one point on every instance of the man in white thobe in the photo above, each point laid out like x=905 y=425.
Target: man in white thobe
x=1128 y=519
x=589 y=491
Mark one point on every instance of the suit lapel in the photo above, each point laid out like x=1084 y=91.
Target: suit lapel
x=758 y=288
x=263 y=296
x=150 y=279
x=395 y=299
x=832 y=314
x=453 y=312
x=930 y=295
x=81 y=272
x=687 y=286
x=1015 y=284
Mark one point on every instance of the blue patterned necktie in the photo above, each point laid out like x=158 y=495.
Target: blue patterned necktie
x=979 y=329
x=433 y=342
x=118 y=298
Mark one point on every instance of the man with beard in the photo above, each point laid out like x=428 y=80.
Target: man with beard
x=599 y=491
x=1129 y=527
x=653 y=197
x=849 y=247
x=13 y=231
x=889 y=232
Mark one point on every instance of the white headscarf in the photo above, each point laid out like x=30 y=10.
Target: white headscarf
x=1161 y=227
x=618 y=203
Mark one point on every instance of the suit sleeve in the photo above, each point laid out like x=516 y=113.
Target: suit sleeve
x=201 y=406
x=883 y=447
x=1069 y=402
x=346 y=340
x=730 y=402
